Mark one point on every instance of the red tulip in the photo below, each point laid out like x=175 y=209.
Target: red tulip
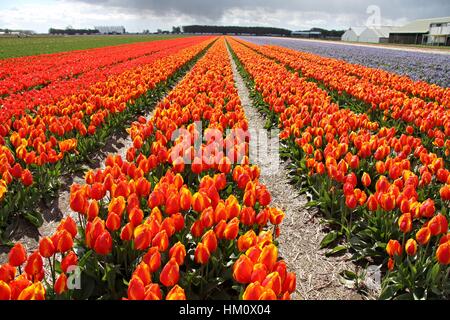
x=17 y=255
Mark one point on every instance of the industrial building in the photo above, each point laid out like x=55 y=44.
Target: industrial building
x=307 y=34
x=425 y=31
x=110 y=29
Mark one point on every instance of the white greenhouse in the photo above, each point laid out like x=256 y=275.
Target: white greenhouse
x=376 y=35
x=352 y=34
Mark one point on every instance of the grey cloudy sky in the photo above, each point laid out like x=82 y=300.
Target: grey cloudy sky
x=137 y=15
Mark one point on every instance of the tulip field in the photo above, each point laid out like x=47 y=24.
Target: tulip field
x=182 y=213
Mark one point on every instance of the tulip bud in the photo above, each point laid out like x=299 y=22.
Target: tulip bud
x=17 y=255
x=103 y=244
x=423 y=236
x=61 y=284
x=393 y=248
x=242 y=269
x=411 y=247
x=176 y=293
x=443 y=254
x=253 y=291
x=201 y=254
x=178 y=252
x=170 y=274
x=46 y=247
x=153 y=259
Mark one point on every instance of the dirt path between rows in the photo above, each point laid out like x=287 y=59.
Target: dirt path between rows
x=301 y=231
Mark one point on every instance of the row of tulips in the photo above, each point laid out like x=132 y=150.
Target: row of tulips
x=383 y=78
x=171 y=221
x=432 y=119
x=39 y=145
x=18 y=74
x=382 y=192
x=91 y=71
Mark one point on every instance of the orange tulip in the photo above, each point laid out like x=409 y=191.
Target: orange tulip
x=93 y=210
x=36 y=291
x=178 y=252
x=259 y=273
x=127 y=232
x=198 y=202
x=390 y=264
x=372 y=203
x=273 y=281
x=46 y=247
x=161 y=241
x=269 y=256
x=63 y=241
x=117 y=205
x=153 y=259
x=246 y=241
x=173 y=203
x=61 y=284
x=142 y=237
x=443 y=254
x=170 y=274
x=153 y=292
x=290 y=282
x=27 y=178
x=69 y=260
x=207 y=217
x=405 y=222
x=248 y=216
x=201 y=254
x=5 y=291
x=142 y=272
x=103 y=243
x=18 y=285
x=176 y=293
x=423 y=235
x=209 y=239
x=136 y=289
x=444 y=192
x=197 y=228
x=411 y=247
x=253 y=291
x=276 y=216
x=365 y=179
x=232 y=229
x=7 y=272
x=219 y=229
x=268 y=294
x=393 y=248
x=185 y=198
x=242 y=269
x=78 y=201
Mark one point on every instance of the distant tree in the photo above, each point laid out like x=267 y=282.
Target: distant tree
x=236 y=30
x=176 y=30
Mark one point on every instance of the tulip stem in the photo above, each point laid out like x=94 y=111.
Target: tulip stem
x=52 y=270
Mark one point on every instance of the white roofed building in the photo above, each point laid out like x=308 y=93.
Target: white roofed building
x=376 y=34
x=434 y=31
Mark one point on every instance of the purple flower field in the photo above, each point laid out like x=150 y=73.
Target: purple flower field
x=430 y=67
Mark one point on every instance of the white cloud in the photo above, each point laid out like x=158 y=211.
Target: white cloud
x=137 y=15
